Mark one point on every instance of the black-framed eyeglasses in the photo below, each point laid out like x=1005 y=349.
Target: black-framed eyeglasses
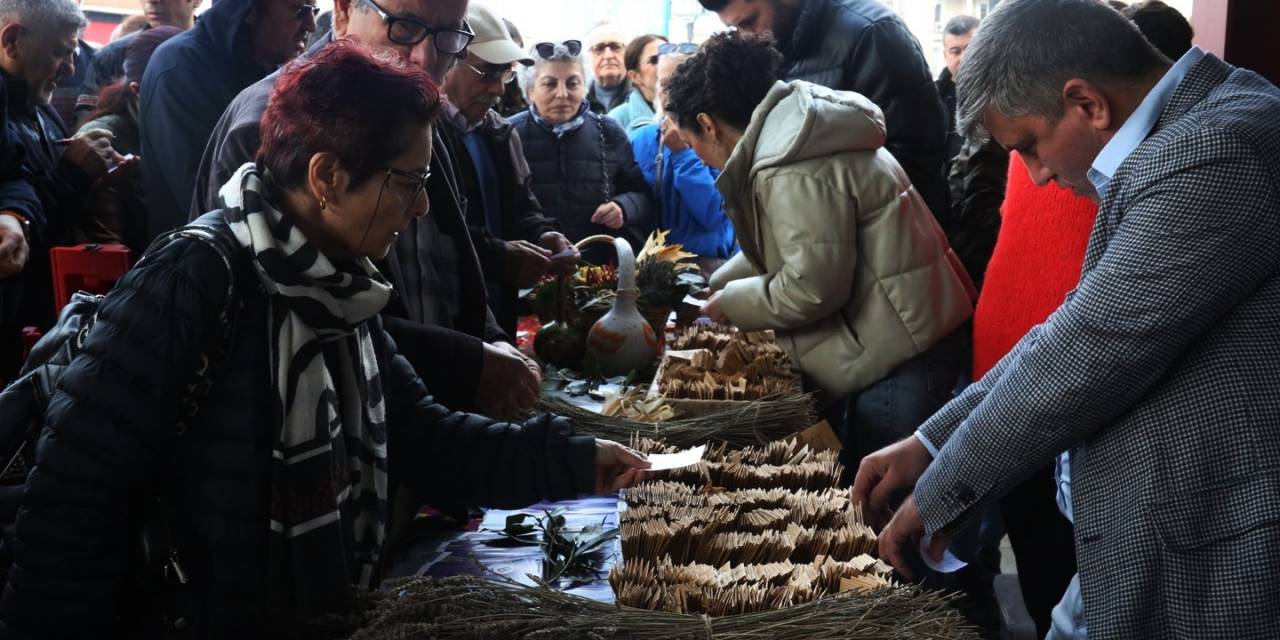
x=552 y=50
x=503 y=75
x=421 y=180
x=303 y=11
x=683 y=48
x=410 y=32
x=599 y=47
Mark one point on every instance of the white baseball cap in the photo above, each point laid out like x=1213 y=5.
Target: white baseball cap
x=493 y=43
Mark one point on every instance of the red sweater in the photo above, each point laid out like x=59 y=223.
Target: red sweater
x=1037 y=260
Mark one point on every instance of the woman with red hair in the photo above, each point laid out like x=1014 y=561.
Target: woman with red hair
x=277 y=466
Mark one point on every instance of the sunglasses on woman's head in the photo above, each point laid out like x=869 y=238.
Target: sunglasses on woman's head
x=684 y=48
x=550 y=50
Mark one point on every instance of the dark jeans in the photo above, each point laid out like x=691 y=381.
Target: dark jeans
x=894 y=407
x=1043 y=544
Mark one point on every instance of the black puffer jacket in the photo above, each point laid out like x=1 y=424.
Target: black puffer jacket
x=573 y=175
x=110 y=440
x=862 y=46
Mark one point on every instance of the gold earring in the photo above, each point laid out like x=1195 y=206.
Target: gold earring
x=323 y=203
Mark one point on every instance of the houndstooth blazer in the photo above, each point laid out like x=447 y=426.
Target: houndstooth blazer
x=1164 y=366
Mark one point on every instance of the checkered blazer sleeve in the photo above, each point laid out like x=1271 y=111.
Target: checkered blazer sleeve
x=1190 y=236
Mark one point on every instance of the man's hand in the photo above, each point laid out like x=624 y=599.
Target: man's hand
x=610 y=215
x=893 y=468
x=564 y=256
x=903 y=535
x=526 y=263
x=92 y=152
x=617 y=467
x=14 y=249
x=509 y=382
x=671 y=137
x=714 y=311
x=123 y=172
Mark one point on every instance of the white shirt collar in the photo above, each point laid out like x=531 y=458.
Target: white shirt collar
x=1140 y=123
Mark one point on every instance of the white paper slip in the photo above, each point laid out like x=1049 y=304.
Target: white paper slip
x=661 y=461
x=694 y=301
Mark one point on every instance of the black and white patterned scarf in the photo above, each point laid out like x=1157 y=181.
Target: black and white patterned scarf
x=328 y=505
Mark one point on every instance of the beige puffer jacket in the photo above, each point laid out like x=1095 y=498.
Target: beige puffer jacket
x=839 y=254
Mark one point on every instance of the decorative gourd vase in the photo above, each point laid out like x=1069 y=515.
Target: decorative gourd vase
x=622 y=341
x=560 y=342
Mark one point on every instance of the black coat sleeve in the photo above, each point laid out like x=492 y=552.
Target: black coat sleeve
x=461 y=458
x=528 y=221
x=493 y=331
x=491 y=251
x=888 y=68
x=108 y=425
x=18 y=195
x=978 y=179
x=427 y=346
x=221 y=159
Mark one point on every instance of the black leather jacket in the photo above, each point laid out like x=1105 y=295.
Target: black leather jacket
x=862 y=46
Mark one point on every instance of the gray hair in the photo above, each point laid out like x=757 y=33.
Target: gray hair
x=1027 y=50
x=960 y=25
x=43 y=16
x=527 y=75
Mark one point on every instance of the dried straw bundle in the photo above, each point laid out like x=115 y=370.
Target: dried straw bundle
x=753 y=423
x=470 y=608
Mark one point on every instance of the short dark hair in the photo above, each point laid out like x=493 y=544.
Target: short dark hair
x=713 y=5
x=635 y=49
x=960 y=25
x=345 y=100
x=727 y=79
x=1163 y=25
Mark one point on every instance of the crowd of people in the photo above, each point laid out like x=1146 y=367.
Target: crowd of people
x=1034 y=295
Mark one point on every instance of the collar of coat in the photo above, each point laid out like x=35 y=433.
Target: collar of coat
x=796 y=121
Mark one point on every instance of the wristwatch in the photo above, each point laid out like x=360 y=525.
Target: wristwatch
x=22 y=220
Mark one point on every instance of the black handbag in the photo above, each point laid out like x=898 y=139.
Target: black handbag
x=24 y=401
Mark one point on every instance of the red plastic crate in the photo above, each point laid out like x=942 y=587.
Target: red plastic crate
x=93 y=268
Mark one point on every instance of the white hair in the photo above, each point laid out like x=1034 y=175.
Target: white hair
x=43 y=16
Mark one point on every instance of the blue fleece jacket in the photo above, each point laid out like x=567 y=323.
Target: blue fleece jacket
x=692 y=208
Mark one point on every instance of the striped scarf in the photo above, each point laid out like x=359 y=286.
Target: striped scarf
x=328 y=504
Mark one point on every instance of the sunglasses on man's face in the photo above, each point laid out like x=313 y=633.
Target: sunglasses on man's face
x=501 y=75
x=600 y=47
x=549 y=50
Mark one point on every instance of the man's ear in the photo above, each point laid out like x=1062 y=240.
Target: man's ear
x=342 y=15
x=1089 y=101
x=10 y=39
